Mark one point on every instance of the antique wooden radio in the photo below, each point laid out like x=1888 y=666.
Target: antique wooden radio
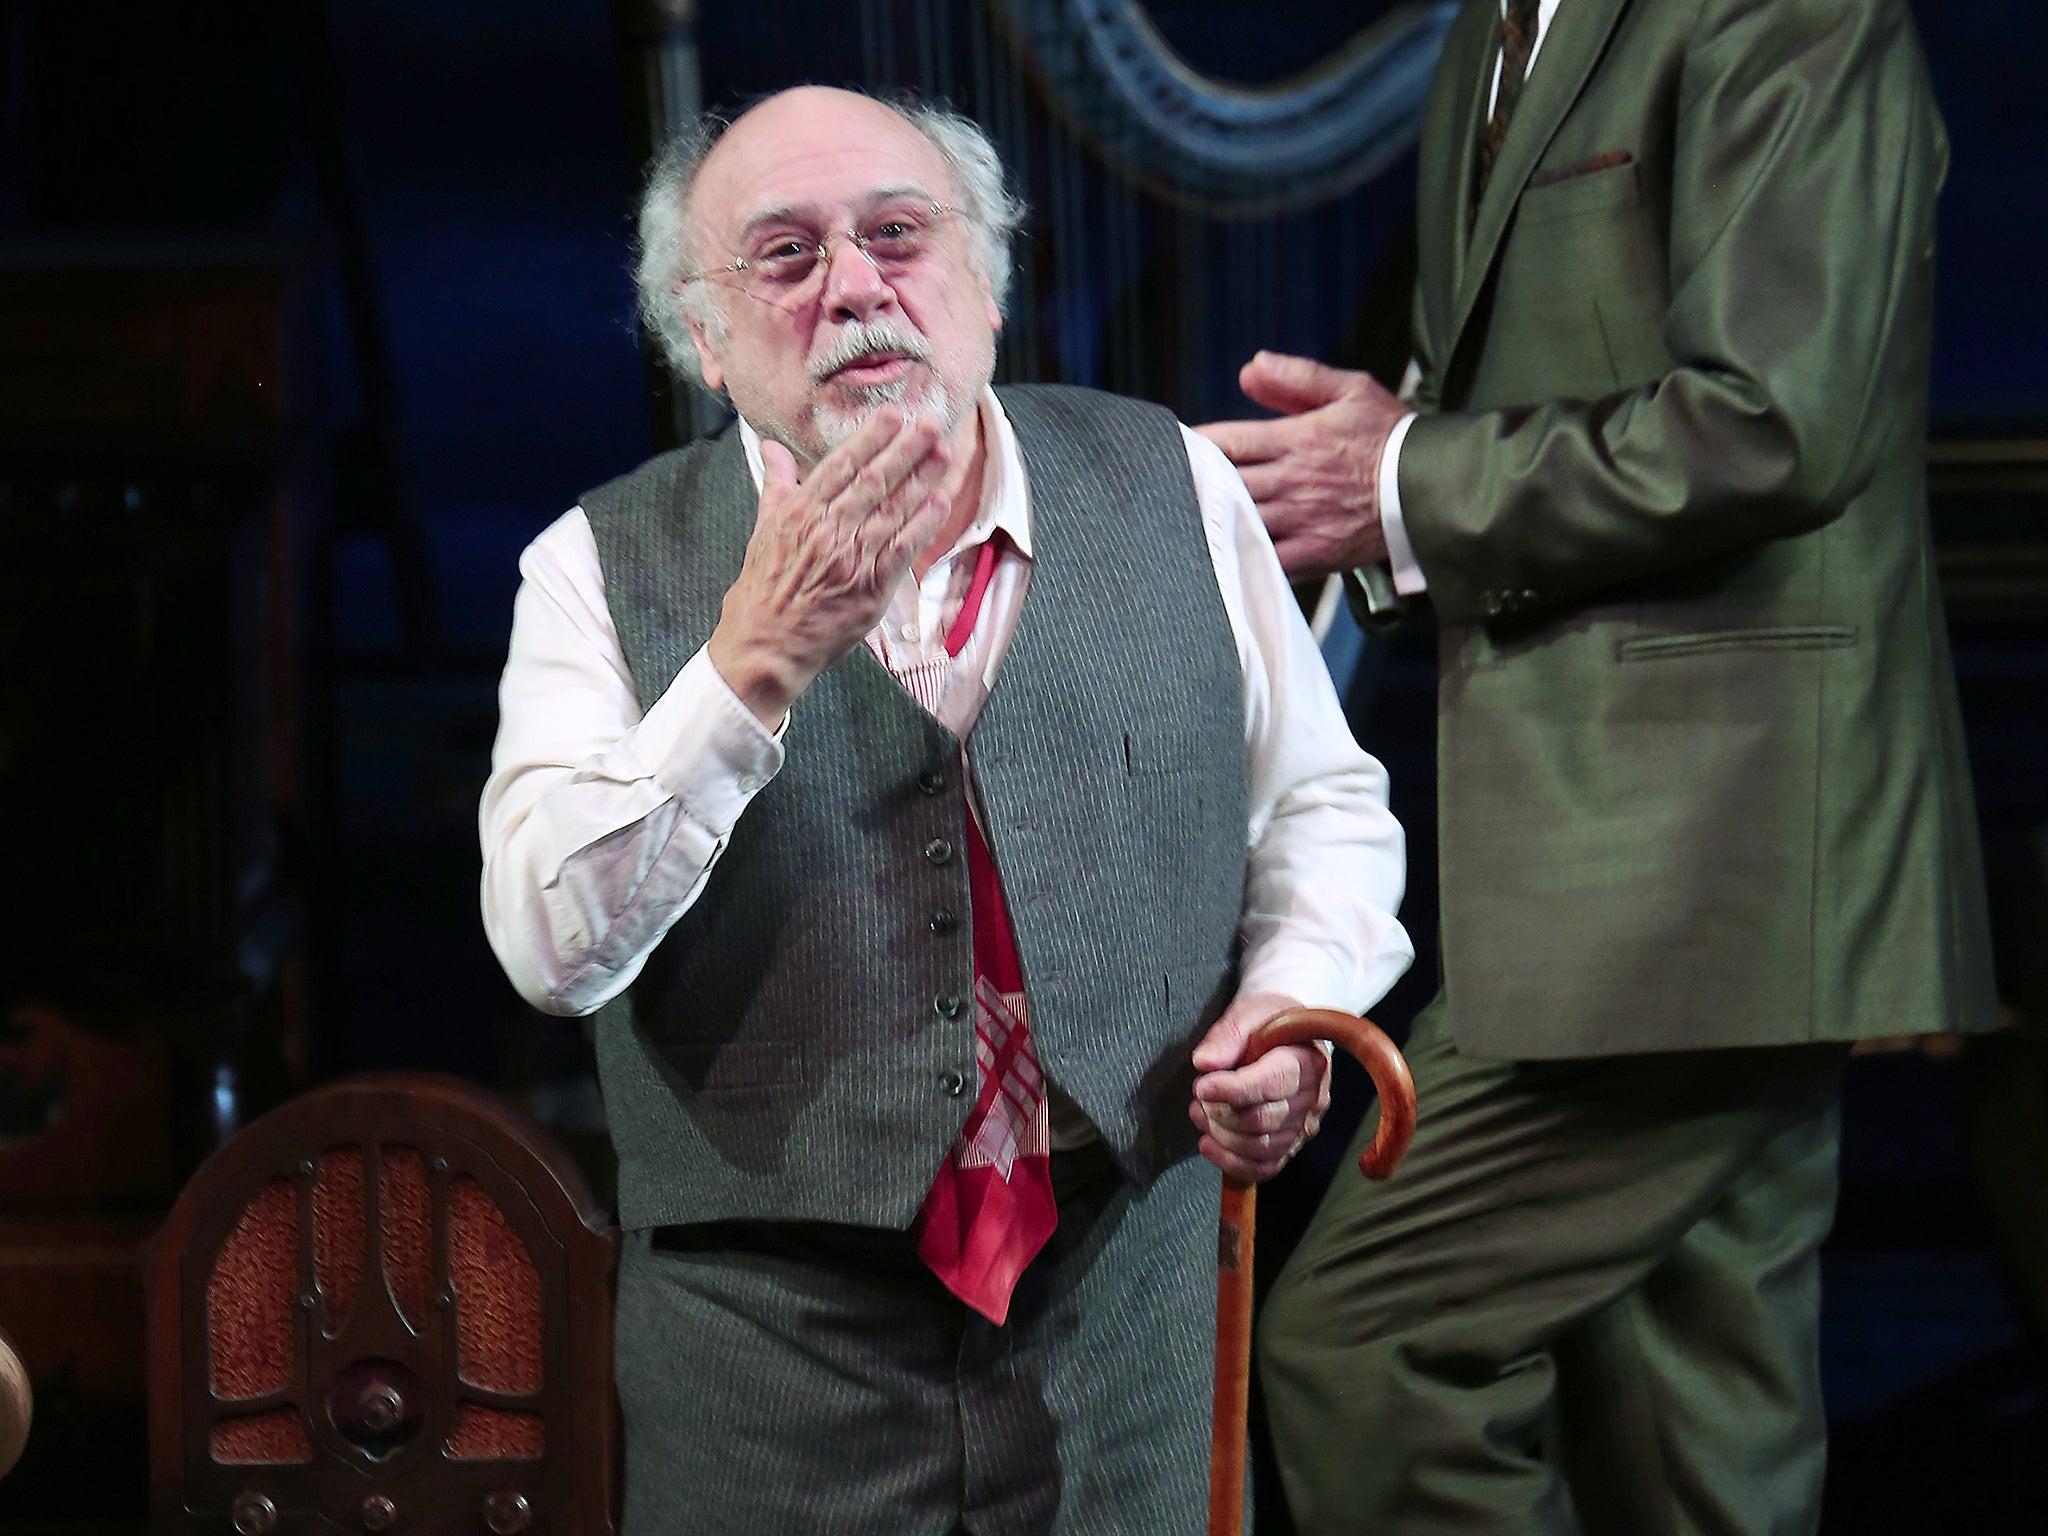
x=387 y=1303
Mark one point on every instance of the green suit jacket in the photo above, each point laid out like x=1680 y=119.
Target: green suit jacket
x=1702 y=772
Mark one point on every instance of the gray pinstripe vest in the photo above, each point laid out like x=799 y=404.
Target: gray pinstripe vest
x=788 y=1050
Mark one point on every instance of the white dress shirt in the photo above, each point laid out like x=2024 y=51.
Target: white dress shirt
x=600 y=825
x=1408 y=577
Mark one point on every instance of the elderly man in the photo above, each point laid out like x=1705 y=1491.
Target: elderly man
x=929 y=787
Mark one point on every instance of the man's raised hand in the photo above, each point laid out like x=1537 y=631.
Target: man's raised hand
x=827 y=551
x=1314 y=472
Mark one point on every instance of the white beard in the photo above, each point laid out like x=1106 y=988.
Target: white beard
x=846 y=408
x=835 y=424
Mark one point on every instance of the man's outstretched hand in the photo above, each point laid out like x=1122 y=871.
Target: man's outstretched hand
x=1313 y=471
x=1254 y=1118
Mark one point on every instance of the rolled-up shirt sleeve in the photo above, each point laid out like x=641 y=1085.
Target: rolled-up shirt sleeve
x=599 y=824
x=1326 y=861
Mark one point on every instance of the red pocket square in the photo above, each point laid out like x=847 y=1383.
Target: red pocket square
x=1606 y=162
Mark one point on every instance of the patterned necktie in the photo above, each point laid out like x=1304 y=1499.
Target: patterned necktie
x=1517 y=44
x=991 y=1207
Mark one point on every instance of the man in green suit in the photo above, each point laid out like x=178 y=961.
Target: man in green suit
x=1705 y=815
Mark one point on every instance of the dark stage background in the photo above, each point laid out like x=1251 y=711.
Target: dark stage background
x=316 y=313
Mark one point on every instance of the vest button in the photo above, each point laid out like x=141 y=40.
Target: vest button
x=944 y=922
x=938 y=850
x=949 y=1006
x=931 y=781
x=953 y=1083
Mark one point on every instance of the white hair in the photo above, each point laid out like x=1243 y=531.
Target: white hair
x=669 y=248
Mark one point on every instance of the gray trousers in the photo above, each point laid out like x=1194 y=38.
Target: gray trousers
x=785 y=1377
x=1588 y=1300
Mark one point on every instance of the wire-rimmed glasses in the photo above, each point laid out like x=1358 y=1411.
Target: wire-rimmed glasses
x=784 y=265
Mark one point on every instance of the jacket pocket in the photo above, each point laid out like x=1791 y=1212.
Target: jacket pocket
x=1587 y=167
x=1789 y=637
x=1578 y=191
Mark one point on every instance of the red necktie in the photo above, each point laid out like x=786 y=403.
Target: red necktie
x=991 y=1208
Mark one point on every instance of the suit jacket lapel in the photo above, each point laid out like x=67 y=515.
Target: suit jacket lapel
x=1577 y=37
x=1466 y=66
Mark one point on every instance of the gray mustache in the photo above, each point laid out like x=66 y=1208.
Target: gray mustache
x=865 y=339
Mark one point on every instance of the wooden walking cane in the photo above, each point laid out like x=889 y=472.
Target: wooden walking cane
x=1382 y=1060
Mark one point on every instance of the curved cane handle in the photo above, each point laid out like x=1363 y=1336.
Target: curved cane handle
x=1381 y=1059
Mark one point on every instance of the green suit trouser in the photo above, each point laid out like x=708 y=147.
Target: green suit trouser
x=1588 y=1300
